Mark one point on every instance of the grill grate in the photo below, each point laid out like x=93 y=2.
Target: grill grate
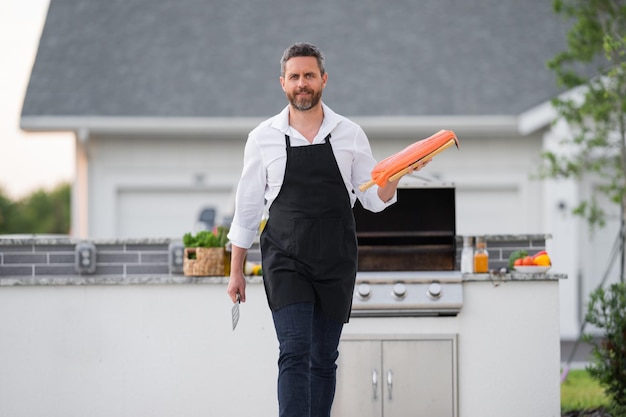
x=417 y=233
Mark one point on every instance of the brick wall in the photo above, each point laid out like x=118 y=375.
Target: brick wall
x=123 y=258
x=500 y=247
x=35 y=257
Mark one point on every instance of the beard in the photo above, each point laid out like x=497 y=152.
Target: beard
x=305 y=103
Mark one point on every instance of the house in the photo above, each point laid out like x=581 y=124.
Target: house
x=161 y=95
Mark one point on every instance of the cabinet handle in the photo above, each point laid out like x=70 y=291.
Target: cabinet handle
x=374 y=383
x=389 y=382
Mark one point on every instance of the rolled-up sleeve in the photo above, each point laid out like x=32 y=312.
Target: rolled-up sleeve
x=249 y=198
x=362 y=167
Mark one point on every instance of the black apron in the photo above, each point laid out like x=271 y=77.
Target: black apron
x=309 y=246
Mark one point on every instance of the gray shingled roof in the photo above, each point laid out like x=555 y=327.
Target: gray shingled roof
x=201 y=58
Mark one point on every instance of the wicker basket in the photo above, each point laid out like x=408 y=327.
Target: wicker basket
x=208 y=262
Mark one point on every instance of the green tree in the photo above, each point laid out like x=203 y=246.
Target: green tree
x=41 y=212
x=606 y=311
x=5 y=206
x=593 y=67
x=595 y=63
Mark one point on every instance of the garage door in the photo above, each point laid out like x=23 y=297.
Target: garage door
x=167 y=213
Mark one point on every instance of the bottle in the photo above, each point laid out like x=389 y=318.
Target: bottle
x=467 y=255
x=481 y=257
x=228 y=249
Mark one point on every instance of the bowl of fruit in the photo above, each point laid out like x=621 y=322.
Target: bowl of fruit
x=538 y=263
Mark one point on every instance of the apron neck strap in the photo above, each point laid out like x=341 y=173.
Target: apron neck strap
x=288 y=142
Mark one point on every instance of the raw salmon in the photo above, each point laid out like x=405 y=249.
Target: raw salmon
x=399 y=164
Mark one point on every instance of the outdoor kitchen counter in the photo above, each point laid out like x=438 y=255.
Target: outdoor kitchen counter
x=137 y=337
x=184 y=280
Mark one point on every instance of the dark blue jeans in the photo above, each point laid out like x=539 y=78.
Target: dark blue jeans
x=306 y=364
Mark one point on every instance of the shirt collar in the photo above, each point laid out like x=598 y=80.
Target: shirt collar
x=331 y=120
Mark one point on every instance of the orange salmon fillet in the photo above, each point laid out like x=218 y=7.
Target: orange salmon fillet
x=398 y=164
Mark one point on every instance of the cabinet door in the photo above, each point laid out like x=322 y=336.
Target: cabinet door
x=418 y=378
x=359 y=379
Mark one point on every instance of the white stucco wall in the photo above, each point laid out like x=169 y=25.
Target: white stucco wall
x=134 y=351
x=164 y=350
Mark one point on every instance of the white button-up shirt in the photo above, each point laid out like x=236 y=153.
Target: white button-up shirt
x=264 y=168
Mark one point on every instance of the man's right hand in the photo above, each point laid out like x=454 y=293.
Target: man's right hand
x=237 y=285
x=237 y=281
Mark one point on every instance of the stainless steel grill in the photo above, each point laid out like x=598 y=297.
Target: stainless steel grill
x=407 y=255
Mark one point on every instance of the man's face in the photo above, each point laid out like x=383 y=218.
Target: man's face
x=303 y=83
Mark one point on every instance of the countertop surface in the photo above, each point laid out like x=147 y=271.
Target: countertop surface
x=8 y=281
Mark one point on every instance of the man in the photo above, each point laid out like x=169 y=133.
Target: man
x=304 y=165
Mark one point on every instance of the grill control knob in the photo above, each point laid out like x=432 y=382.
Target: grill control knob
x=364 y=291
x=399 y=290
x=434 y=290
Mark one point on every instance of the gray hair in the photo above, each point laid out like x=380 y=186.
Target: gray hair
x=302 y=49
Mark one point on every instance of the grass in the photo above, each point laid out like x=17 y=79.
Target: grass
x=581 y=392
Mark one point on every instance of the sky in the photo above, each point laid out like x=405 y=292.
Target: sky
x=28 y=161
